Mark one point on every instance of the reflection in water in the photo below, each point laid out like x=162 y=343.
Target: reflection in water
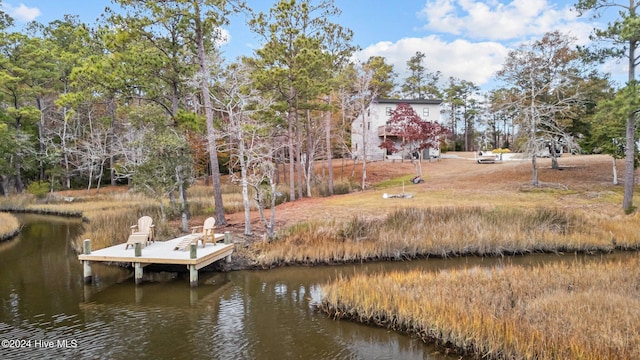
x=241 y=315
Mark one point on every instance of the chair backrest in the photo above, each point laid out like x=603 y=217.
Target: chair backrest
x=144 y=224
x=208 y=225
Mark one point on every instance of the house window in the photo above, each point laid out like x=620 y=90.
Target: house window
x=388 y=111
x=369 y=125
x=425 y=112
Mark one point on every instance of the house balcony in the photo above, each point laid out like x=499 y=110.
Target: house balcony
x=384 y=132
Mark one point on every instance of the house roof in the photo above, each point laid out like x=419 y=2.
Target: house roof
x=409 y=101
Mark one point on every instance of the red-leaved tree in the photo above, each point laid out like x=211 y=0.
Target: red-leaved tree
x=414 y=133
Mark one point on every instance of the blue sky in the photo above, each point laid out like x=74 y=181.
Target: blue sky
x=467 y=39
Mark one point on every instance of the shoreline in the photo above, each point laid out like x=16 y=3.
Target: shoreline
x=250 y=251
x=507 y=312
x=11 y=226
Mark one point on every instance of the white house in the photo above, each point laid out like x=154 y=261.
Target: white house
x=368 y=131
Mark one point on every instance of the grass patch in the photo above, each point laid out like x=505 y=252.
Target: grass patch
x=555 y=311
x=9 y=226
x=447 y=231
x=406 y=180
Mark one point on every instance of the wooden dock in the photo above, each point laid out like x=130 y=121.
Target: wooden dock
x=195 y=257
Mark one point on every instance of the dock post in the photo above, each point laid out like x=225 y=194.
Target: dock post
x=138 y=272
x=227 y=240
x=193 y=272
x=87 y=264
x=137 y=267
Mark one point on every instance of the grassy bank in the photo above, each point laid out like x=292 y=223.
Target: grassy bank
x=558 y=311
x=9 y=226
x=110 y=214
x=450 y=231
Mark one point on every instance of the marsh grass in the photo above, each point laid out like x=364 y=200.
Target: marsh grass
x=340 y=187
x=448 y=231
x=9 y=226
x=555 y=311
x=112 y=225
x=109 y=215
x=201 y=201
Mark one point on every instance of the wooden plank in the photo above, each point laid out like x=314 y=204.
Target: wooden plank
x=211 y=258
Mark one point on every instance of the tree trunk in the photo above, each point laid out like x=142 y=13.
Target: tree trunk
x=19 y=183
x=208 y=110
x=554 y=156
x=65 y=151
x=615 y=171
x=41 y=144
x=100 y=174
x=269 y=224
x=163 y=212
x=245 y=188
x=272 y=215
x=292 y=156
x=4 y=185
x=364 y=152
x=554 y=161
x=90 y=177
x=327 y=124
x=182 y=192
x=534 y=175
x=630 y=151
x=629 y=165
x=110 y=141
x=298 y=150
x=308 y=158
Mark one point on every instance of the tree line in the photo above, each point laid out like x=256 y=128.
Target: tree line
x=144 y=97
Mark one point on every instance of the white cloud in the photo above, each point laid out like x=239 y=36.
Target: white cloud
x=476 y=62
x=222 y=37
x=494 y=20
x=474 y=37
x=22 y=12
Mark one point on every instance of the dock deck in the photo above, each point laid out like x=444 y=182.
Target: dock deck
x=194 y=257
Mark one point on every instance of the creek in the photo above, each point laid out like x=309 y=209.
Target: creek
x=47 y=311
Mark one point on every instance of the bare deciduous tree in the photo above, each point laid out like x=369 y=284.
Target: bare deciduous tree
x=540 y=75
x=249 y=141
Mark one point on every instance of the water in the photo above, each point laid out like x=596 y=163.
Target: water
x=47 y=311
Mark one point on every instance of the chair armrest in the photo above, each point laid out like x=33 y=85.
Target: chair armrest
x=193 y=229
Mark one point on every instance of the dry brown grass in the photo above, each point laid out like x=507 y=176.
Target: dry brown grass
x=450 y=183
x=9 y=226
x=463 y=208
x=448 y=231
x=108 y=214
x=557 y=311
x=463 y=182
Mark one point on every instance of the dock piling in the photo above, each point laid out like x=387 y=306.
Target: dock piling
x=86 y=265
x=193 y=271
x=227 y=240
x=138 y=249
x=138 y=272
x=137 y=267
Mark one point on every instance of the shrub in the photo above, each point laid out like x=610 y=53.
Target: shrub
x=39 y=189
